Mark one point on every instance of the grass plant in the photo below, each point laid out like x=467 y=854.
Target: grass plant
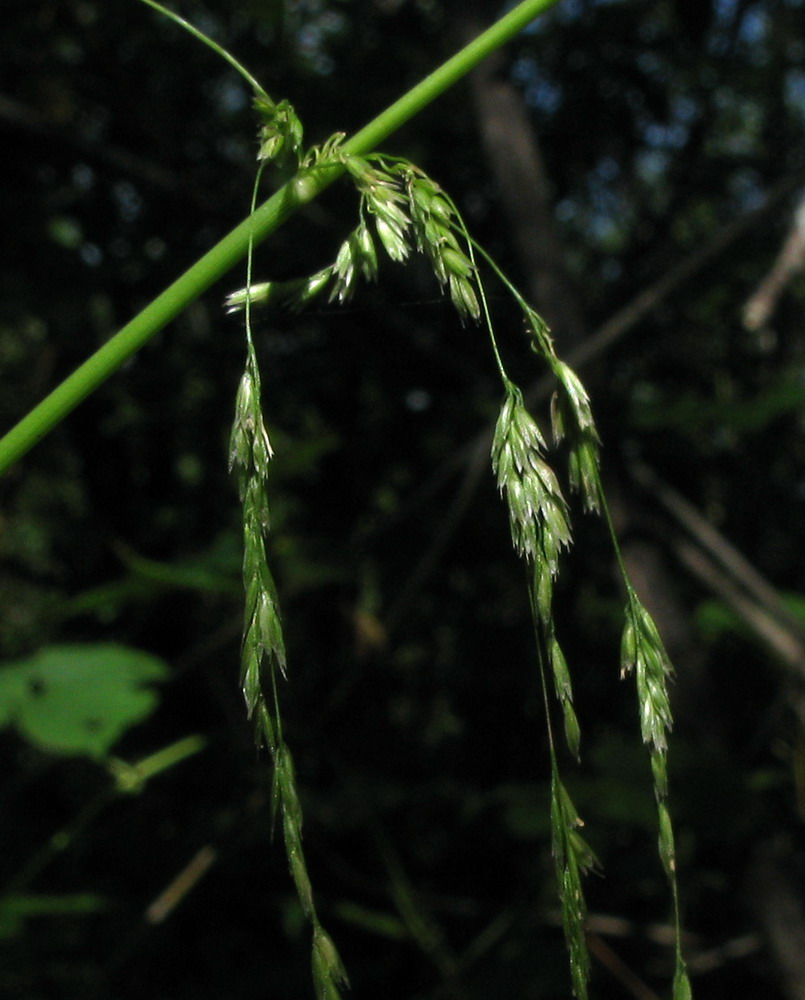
x=403 y=212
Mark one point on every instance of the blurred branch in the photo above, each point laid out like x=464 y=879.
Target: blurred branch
x=128 y=778
x=785 y=646
x=700 y=959
x=618 y=969
x=419 y=921
x=730 y=951
x=716 y=563
x=645 y=302
x=60 y=842
x=166 y=902
x=791 y=259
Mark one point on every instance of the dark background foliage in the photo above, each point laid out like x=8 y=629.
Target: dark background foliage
x=413 y=704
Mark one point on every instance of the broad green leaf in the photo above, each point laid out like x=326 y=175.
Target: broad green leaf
x=79 y=699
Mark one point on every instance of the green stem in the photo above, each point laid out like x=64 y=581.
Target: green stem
x=233 y=247
x=165 y=12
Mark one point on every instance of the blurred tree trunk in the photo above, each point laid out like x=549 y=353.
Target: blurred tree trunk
x=516 y=163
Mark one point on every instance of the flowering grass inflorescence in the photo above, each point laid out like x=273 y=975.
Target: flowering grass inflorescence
x=403 y=211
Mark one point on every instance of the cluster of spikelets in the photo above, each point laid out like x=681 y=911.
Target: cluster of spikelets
x=263 y=644
x=402 y=210
x=540 y=529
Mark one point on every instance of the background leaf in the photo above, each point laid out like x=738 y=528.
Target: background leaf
x=79 y=699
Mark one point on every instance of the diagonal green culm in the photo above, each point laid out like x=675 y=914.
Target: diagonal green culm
x=233 y=247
